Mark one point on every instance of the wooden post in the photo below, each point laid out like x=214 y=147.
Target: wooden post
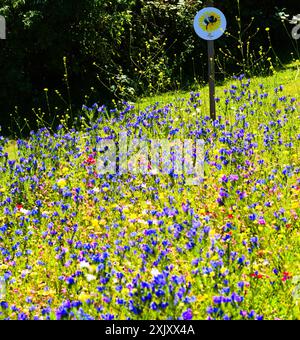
x=211 y=78
x=211 y=71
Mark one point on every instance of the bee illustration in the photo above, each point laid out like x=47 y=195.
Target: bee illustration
x=210 y=20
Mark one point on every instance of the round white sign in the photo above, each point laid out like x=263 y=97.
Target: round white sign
x=210 y=23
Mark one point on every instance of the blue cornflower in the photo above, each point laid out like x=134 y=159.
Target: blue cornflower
x=217 y=300
x=70 y=280
x=3 y=304
x=153 y=306
x=22 y=316
x=187 y=315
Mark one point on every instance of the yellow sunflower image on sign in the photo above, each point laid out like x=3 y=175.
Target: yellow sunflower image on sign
x=210 y=22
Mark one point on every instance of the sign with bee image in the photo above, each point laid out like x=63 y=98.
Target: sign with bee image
x=210 y=23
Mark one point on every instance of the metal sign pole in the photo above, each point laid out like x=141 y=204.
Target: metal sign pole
x=211 y=71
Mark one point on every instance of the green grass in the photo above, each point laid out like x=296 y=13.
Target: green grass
x=290 y=78
x=11 y=149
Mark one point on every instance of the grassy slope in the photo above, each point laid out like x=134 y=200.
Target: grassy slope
x=289 y=78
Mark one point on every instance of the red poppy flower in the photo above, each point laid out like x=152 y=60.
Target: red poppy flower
x=258 y=276
x=91 y=160
x=286 y=276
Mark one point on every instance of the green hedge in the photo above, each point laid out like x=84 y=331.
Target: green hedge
x=120 y=48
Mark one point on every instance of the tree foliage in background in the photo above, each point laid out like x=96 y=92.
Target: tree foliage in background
x=120 y=49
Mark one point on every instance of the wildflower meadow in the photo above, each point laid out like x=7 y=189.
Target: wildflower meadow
x=76 y=243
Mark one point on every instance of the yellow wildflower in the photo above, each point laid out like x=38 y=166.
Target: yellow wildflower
x=61 y=183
